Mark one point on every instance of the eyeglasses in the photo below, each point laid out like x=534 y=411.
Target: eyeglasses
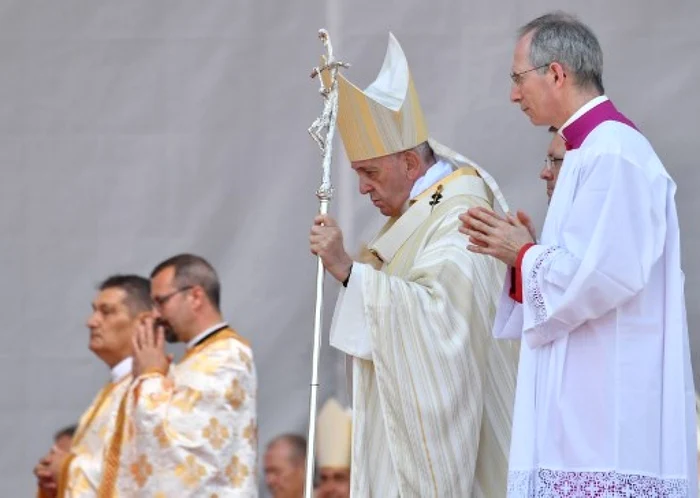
x=161 y=300
x=552 y=163
x=518 y=77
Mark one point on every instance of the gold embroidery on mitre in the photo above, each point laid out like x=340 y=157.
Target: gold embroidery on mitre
x=386 y=117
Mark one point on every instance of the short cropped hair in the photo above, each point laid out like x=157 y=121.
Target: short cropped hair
x=136 y=288
x=194 y=270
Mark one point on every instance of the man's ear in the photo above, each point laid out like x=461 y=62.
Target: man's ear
x=199 y=296
x=559 y=73
x=413 y=165
x=142 y=316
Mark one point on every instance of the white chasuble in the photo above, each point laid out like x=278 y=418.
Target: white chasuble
x=432 y=390
x=194 y=432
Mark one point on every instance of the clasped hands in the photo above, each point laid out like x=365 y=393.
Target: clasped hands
x=148 y=345
x=497 y=236
x=48 y=470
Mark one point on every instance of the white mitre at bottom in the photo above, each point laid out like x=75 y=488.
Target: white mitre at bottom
x=334 y=436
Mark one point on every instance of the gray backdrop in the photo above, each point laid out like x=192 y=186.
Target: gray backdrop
x=133 y=130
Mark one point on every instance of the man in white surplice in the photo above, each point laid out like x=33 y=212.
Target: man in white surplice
x=605 y=398
x=432 y=390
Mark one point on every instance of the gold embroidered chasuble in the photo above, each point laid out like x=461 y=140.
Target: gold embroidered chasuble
x=194 y=432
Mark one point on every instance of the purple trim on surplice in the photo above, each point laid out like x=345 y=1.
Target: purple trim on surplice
x=575 y=133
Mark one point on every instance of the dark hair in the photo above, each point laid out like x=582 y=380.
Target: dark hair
x=297 y=444
x=553 y=129
x=66 y=431
x=193 y=270
x=137 y=289
x=561 y=37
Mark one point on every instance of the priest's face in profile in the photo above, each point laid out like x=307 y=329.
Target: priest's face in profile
x=553 y=162
x=388 y=180
x=111 y=325
x=334 y=483
x=533 y=87
x=172 y=310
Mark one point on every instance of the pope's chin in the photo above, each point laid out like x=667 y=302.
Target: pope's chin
x=385 y=210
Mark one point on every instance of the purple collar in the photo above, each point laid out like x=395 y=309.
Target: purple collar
x=575 y=133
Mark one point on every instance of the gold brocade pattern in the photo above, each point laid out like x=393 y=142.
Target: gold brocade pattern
x=215 y=433
x=154 y=400
x=246 y=359
x=250 y=433
x=189 y=398
x=192 y=438
x=190 y=471
x=161 y=436
x=237 y=472
x=235 y=394
x=141 y=470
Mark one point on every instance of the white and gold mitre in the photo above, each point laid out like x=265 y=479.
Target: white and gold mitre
x=333 y=436
x=384 y=118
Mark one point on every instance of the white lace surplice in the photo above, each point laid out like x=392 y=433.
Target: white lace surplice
x=605 y=397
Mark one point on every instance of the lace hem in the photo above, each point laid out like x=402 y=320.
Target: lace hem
x=534 y=293
x=546 y=483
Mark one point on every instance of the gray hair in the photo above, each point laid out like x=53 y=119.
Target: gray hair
x=425 y=152
x=561 y=37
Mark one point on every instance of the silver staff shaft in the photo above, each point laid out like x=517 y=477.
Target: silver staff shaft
x=315 y=359
x=322 y=131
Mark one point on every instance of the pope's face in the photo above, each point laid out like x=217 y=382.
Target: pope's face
x=387 y=180
x=335 y=483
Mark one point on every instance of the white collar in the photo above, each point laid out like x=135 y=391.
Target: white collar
x=435 y=173
x=199 y=337
x=121 y=369
x=582 y=110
